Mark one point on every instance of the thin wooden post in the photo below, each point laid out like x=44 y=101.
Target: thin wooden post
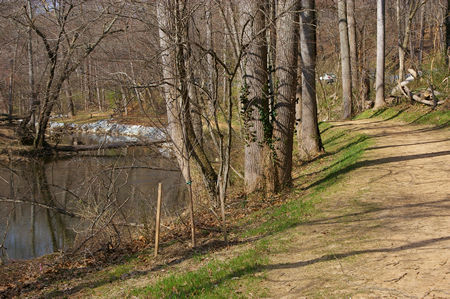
x=158 y=216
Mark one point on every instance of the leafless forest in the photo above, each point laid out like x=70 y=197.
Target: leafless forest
x=239 y=87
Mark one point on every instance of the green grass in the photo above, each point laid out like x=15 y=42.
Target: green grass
x=216 y=279
x=234 y=278
x=422 y=116
x=117 y=271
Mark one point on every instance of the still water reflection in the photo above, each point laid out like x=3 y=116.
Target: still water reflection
x=34 y=225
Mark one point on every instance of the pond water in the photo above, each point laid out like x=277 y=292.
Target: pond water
x=120 y=185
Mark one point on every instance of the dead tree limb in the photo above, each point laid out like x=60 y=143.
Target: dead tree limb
x=41 y=205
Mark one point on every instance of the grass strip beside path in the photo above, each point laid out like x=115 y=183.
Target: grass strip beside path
x=233 y=278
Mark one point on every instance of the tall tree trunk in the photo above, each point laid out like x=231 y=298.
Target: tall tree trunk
x=421 y=35
x=413 y=7
x=195 y=105
x=379 y=99
x=345 y=61
x=124 y=100
x=311 y=143
x=400 y=25
x=97 y=89
x=352 y=39
x=272 y=50
x=44 y=117
x=11 y=90
x=254 y=96
x=286 y=76
x=447 y=35
x=211 y=82
x=298 y=100
x=33 y=96
x=69 y=96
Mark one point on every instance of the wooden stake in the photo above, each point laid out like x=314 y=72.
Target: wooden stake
x=158 y=216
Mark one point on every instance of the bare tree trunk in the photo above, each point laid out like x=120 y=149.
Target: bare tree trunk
x=345 y=61
x=10 y=90
x=298 y=101
x=44 y=117
x=353 y=42
x=421 y=34
x=413 y=7
x=400 y=25
x=69 y=96
x=286 y=74
x=254 y=97
x=447 y=35
x=194 y=97
x=272 y=50
x=33 y=96
x=365 y=89
x=89 y=86
x=311 y=143
x=196 y=115
x=97 y=89
x=210 y=61
x=379 y=99
x=124 y=100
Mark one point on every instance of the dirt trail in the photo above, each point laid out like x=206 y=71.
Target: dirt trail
x=386 y=233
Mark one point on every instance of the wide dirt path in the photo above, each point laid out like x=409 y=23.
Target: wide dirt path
x=385 y=233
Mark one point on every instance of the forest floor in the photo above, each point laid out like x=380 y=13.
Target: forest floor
x=385 y=233
x=370 y=219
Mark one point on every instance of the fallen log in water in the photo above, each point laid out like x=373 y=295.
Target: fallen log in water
x=81 y=148
x=41 y=205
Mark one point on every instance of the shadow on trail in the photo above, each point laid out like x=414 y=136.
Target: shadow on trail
x=188 y=291
x=407 y=144
x=437 y=204
x=338 y=256
x=326 y=154
x=367 y=163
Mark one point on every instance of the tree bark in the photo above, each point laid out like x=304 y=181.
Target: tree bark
x=254 y=95
x=311 y=143
x=379 y=99
x=298 y=101
x=405 y=36
x=286 y=76
x=69 y=96
x=211 y=82
x=447 y=35
x=421 y=35
x=400 y=25
x=352 y=39
x=33 y=103
x=345 y=61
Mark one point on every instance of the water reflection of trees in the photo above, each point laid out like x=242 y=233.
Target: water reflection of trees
x=26 y=220
x=111 y=195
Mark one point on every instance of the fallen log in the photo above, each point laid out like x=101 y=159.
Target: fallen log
x=428 y=97
x=414 y=97
x=41 y=205
x=114 y=145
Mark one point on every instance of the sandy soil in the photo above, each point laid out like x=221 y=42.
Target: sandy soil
x=386 y=233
